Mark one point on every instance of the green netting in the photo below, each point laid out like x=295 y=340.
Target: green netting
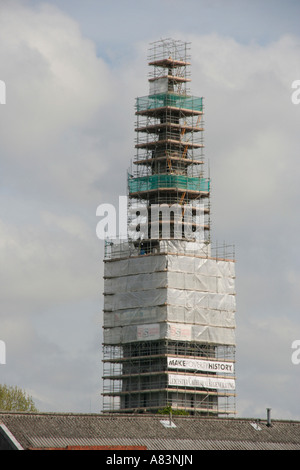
x=167 y=99
x=147 y=183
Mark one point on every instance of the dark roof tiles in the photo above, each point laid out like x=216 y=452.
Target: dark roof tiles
x=36 y=430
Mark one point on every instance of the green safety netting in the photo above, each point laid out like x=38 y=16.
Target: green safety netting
x=168 y=99
x=147 y=183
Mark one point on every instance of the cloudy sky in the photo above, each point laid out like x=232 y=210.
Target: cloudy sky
x=72 y=70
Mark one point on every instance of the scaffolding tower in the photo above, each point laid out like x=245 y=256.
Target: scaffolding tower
x=169 y=299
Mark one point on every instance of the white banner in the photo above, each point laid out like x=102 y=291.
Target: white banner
x=160 y=85
x=145 y=332
x=200 y=364
x=179 y=332
x=195 y=381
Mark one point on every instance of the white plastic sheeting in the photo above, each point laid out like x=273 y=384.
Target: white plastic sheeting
x=144 y=264
x=174 y=296
x=160 y=85
x=176 y=280
x=185 y=247
x=145 y=315
x=173 y=331
x=179 y=297
x=170 y=262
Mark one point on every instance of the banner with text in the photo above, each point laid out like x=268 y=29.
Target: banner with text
x=196 y=381
x=200 y=364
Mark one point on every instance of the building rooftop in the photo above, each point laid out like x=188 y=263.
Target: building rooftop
x=23 y=431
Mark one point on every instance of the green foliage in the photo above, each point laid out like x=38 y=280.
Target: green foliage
x=168 y=409
x=15 y=399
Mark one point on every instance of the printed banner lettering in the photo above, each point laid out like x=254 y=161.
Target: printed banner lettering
x=200 y=364
x=201 y=382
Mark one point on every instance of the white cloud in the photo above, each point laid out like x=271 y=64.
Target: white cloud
x=54 y=79
x=50 y=159
x=251 y=136
x=252 y=141
x=42 y=265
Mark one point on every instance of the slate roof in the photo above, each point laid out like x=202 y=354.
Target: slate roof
x=59 y=430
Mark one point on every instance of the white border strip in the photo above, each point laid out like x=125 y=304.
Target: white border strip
x=11 y=437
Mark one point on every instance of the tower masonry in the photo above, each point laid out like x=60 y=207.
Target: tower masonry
x=169 y=294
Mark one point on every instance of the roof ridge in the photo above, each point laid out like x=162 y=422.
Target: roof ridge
x=144 y=416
